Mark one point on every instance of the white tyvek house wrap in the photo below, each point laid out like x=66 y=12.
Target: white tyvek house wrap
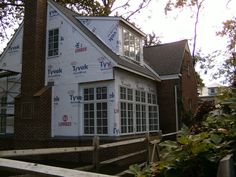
x=67 y=112
x=78 y=60
x=107 y=31
x=11 y=58
x=65 y=119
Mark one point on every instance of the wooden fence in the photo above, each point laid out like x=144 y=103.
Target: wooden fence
x=95 y=148
x=38 y=169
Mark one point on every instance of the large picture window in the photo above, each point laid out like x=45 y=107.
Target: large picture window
x=131 y=45
x=53 y=42
x=138 y=111
x=95 y=111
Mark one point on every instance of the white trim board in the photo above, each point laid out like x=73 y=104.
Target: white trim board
x=170 y=77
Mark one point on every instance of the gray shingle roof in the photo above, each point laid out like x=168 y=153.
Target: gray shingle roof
x=119 y=60
x=166 y=59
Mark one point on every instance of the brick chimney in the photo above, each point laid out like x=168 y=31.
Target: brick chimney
x=33 y=63
x=33 y=106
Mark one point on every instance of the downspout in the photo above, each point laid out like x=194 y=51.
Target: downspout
x=176 y=109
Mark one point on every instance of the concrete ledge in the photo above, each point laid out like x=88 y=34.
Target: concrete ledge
x=226 y=167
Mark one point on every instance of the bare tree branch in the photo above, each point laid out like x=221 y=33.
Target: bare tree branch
x=121 y=6
x=141 y=6
x=4 y=4
x=4 y=29
x=199 y=5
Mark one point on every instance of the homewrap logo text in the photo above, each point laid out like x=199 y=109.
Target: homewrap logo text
x=54 y=72
x=79 y=69
x=53 y=13
x=65 y=121
x=79 y=47
x=74 y=98
x=13 y=48
x=112 y=32
x=56 y=100
x=105 y=64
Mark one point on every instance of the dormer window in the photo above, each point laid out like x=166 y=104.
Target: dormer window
x=212 y=91
x=131 y=44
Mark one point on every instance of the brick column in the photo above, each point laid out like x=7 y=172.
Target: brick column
x=33 y=106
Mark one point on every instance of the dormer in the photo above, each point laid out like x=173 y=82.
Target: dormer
x=212 y=91
x=120 y=36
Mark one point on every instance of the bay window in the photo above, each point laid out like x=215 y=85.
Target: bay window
x=138 y=111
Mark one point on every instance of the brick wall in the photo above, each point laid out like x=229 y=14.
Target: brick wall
x=38 y=125
x=166 y=101
x=6 y=142
x=189 y=85
x=186 y=94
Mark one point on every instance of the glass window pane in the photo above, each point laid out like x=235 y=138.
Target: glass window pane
x=149 y=98
x=137 y=95
x=53 y=42
x=143 y=97
x=154 y=99
x=122 y=93
x=130 y=94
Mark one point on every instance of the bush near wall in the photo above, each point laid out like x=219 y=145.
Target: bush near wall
x=197 y=150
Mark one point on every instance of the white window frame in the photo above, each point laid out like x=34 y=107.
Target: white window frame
x=98 y=129
x=133 y=47
x=127 y=122
x=153 y=113
x=141 y=118
x=141 y=100
x=52 y=42
x=145 y=111
x=3 y=116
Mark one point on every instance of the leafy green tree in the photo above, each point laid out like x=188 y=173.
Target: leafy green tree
x=228 y=70
x=197 y=150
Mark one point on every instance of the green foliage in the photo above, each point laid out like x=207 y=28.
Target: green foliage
x=197 y=153
x=137 y=171
x=203 y=110
x=200 y=83
x=229 y=31
x=228 y=69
